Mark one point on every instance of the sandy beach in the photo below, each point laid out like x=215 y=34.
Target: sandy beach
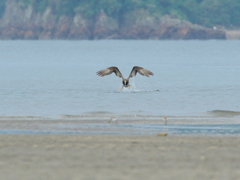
x=73 y=157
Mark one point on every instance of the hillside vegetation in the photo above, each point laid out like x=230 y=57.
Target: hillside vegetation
x=204 y=12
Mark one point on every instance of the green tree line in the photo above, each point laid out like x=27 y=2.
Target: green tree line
x=204 y=12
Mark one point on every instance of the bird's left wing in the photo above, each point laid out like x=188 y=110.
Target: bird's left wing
x=140 y=70
x=109 y=70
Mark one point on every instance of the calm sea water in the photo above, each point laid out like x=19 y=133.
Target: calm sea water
x=58 y=78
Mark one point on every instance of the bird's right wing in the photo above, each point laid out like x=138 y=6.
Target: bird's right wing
x=110 y=70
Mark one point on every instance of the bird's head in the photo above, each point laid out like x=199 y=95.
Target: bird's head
x=125 y=82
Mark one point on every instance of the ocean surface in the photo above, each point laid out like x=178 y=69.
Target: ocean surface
x=57 y=79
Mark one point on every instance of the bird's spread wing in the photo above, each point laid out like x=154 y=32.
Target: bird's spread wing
x=109 y=70
x=140 y=70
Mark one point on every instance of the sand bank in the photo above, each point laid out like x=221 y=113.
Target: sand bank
x=72 y=157
x=233 y=34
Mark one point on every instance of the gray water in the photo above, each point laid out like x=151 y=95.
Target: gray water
x=57 y=79
x=51 y=78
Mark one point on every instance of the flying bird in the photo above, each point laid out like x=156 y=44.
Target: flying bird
x=125 y=82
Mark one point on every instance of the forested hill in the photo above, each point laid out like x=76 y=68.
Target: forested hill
x=46 y=18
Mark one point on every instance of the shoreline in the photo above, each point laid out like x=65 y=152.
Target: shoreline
x=130 y=127
x=232 y=34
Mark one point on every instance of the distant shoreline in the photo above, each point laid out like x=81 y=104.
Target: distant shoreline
x=233 y=34
x=24 y=23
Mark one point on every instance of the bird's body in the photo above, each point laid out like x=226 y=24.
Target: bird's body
x=125 y=82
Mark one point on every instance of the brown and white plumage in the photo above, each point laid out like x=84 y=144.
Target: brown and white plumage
x=109 y=70
x=140 y=70
x=135 y=70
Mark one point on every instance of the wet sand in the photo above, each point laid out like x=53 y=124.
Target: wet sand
x=72 y=157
